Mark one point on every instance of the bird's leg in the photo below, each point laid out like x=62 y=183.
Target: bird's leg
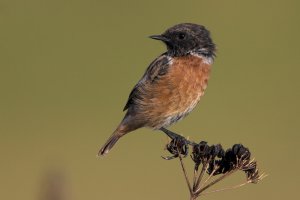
x=171 y=134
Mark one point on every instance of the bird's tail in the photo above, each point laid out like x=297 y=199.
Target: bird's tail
x=112 y=140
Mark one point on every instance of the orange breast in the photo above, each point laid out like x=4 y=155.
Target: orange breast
x=177 y=93
x=189 y=76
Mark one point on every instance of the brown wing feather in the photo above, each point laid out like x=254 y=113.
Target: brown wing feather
x=155 y=70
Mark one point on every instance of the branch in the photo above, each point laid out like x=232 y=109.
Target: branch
x=214 y=161
x=185 y=174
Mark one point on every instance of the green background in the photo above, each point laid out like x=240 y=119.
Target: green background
x=67 y=67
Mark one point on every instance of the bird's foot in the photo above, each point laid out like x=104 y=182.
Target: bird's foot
x=178 y=145
x=176 y=136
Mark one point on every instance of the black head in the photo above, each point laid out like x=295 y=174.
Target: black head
x=186 y=38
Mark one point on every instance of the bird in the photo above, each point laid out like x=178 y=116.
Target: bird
x=173 y=83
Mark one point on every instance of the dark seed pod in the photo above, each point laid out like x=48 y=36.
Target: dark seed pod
x=218 y=161
x=241 y=152
x=177 y=146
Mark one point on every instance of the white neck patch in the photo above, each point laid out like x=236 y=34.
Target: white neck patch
x=206 y=60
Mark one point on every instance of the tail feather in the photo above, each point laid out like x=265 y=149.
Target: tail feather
x=112 y=140
x=121 y=130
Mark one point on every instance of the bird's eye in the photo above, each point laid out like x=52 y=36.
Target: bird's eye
x=181 y=36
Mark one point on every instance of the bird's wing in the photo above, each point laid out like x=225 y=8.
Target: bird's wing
x=156 y=69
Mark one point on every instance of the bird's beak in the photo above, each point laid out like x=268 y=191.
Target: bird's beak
x=159 y=37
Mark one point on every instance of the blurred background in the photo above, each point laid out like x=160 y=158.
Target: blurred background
x=67 y=67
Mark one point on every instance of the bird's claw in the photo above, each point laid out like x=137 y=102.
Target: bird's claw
x=169 y=157
x=178 y=146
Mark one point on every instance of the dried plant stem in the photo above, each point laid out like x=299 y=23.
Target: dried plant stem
x=211 y=175
x=204 y=168
x=214 y=161
x=228 y=188
x=195 y=178
x=185 y=174
x=199 y=191
x=193 y=197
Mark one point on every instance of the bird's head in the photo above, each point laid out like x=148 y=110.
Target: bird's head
x=183 y=39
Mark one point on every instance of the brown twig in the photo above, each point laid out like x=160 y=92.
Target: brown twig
x=228 y=188
x=198 y=192
x=204 y=169
x=195 y=177
x=215 y=161
x=185 y=174
x=211 y=175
